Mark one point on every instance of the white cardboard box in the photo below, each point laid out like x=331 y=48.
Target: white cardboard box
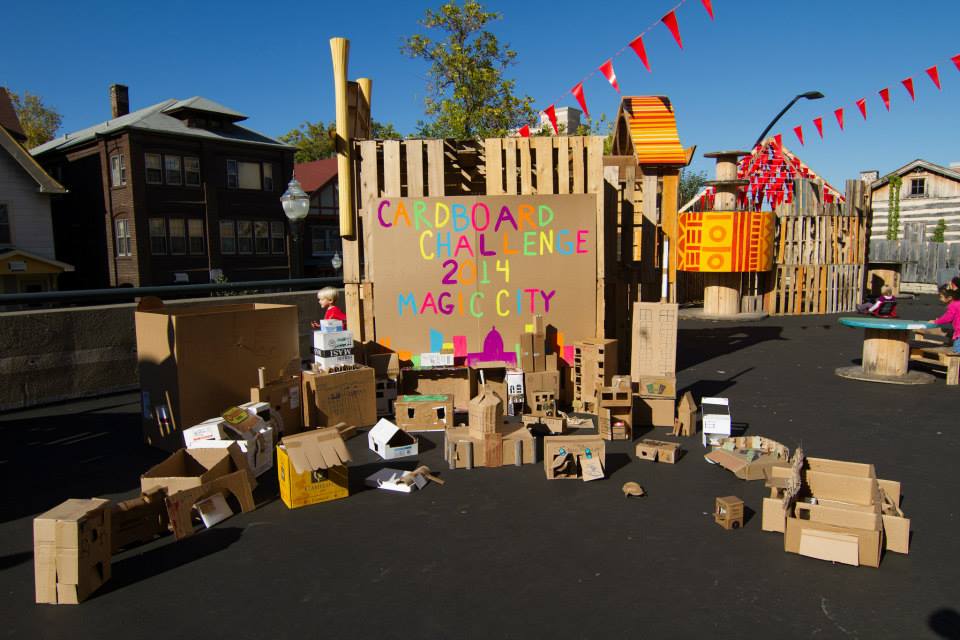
x=256 y=441
x=333 y=348
x=330 y=326
x=211 y=429
x=436 y=359
x=389 y=441
x=715 y=419
x=389 y=480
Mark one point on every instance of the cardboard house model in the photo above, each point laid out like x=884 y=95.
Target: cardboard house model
x=486 y=414
x=574 y=457
x=390 y=441
x=424 y=413
x=716 y=420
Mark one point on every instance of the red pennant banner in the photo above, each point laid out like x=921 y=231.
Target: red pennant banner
x=671 y=21
x=607 y=70
x=577 y=92
x=525 y=131
x=839 y=114
x=862 y=105
x=779 y=140
x=818 y=123
x=708 y=5
x=934 y=75
x=908 y=84
x=956 y=61
x=798 y=130
x=640 y=50
x=885 y=96
x=552 y=115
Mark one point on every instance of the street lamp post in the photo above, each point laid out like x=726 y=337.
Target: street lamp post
x=296 y=206
x=809 y=95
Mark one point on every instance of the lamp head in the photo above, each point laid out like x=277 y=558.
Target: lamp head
x=295 y=201
x=812 y=95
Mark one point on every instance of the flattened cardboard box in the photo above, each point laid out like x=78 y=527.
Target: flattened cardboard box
x=193 y=362
x=312 y=468
x=424 y=413
x=71 y=551
x=345 y=396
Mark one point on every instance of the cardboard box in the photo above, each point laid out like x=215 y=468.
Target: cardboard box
x=516 y=399
x=330 y=326
x=182 y=504
x=540 y=382
x=312 y=468
x=615 y=423
x=749 y=457
x=512 y=445
x=541 y=423
x=138 y=520
x=594 y=365
x=389 y=441
x=458 y=381
x=283 y=396
x=191 y=468
x=71 y=551
x=425 y=413
x=654 y=340
x=436 y=359
x=574 y=457
x=653 y=412
x=343 y=396
x=211 y=429
x=493 y=377
x=486 y=414
x=657 y=450
x=657 y=387
x=193 y=362
x=715 y=420
x=333 y=349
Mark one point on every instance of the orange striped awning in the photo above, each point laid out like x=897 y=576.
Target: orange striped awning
x=653 y=130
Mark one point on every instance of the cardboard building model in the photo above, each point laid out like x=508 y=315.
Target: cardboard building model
x=715 y=420
x=283 y=396
x=424 y=413
x=386 y=369
x=389 y=441
x=594 y=365
x=615 y=409
x=685 y=424
x=574 y=457
x=749 y=457
x=657 y=450
x=488 y=441
x=653 y=362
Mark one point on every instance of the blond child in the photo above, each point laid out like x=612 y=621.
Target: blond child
x=327 y=299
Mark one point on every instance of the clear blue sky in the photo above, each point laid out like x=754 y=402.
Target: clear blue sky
x=272 y=62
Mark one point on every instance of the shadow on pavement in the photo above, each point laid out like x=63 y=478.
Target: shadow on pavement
x=700 y=345
x=945 y=623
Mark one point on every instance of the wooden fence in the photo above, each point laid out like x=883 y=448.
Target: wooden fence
x=926 y=262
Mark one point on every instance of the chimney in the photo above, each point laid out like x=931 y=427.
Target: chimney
x=119 y=100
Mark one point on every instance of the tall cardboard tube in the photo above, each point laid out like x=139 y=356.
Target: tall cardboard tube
x=340 y=53
x=518 y=453
x=366 y=88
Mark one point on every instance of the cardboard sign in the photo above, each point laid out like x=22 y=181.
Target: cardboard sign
x=481 y=262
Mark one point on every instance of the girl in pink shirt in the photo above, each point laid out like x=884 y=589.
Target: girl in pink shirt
x=952 y=315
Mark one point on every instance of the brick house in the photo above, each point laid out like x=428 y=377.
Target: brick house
x=322 y=238
x=176 y=192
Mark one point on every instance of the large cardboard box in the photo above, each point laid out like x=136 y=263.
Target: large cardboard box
x=424 y=413
x=193 y=362
x=71 y=551
x=458 y=381
x=344 y=396
x=191 y=468
x=283 y=396
x=312 y=468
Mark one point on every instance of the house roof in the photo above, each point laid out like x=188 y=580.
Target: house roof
x=19 y=153
x=158 y=119
x=917 y=164
x=316 y=174
x=652 y=128
x=8 y=117
x=13 y=253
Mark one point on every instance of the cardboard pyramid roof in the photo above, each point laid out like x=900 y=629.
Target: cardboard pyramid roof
x=319 y=449
x=647 y=129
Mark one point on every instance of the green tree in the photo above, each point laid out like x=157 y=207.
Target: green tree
x=690 y=184
x=939 y=231
x=467 y=93
x=39 y=121
x=314 y=140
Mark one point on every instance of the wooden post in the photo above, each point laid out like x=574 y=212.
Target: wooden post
x=721 y=291
x=340 y=52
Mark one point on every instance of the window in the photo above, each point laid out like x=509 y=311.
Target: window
x=158 y=236
x=195 y=236
x=118 y=170
x=124 y=246
x=278 y=242
x=918 y=187
x=324 y=240
x=244 y=237
x=178 y=237
x=5 y=236
x=191 y=171
x=154 y=168
x=267 y=176
x=233 y=179
x=172 y=169
x=328 y=199
x=249 y=175
x=261 y=231
x=228 y=237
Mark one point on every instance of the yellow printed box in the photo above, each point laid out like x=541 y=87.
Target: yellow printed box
x=311 y=468
x=725 y=241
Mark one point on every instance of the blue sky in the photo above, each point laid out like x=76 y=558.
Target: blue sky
x=272 y=62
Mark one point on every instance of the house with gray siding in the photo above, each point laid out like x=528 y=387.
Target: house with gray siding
x=928 y=193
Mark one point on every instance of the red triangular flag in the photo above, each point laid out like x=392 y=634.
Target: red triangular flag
x=525 y=131
x=552 y=115
x=577 y=92
x=862 y=105
x=671 y=21
x=956 y=61
x=708 y=5
x=934 y=75
x=885 y=96
x=640 y=50
x=799 y=131
x=839 y=114
x=779 y=140
x=818 y=123
x=607 y=70
x=908 y=83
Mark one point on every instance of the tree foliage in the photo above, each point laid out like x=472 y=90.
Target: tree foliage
x=39 y=121
x=467 y=93
x=690 y=184
x=939 y=231
x=893 y=208
x=314 y=140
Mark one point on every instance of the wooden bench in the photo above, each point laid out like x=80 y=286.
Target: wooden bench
x=935 y=353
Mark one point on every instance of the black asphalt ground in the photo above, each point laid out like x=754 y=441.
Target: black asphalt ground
x=503 y=553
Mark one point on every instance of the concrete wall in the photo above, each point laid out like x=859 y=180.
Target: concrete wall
x=62 y=354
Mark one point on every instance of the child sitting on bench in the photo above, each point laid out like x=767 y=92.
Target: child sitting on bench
x=883 y=306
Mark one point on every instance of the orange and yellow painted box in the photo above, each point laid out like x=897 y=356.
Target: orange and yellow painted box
x=300 y=489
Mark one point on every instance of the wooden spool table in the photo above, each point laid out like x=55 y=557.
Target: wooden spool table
x=886 y=351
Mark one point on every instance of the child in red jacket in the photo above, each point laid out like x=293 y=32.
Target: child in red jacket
x=952 y=315
x=327 y=298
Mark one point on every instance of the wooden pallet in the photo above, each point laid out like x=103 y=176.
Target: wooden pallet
x=938 y=356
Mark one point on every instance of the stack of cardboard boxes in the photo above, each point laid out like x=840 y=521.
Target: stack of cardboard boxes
x=332 y=346
x=653 y=362
x=615 y=404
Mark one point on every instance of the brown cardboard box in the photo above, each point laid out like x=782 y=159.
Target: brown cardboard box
x=386 y=368
x=574 y=457
x=190 y=468
x=71 y=551
x=527 y=352
x=458 y=381
x=138 y=520
x=657 y=450
x=343 y=396
x=594 y=365
x=494 y=377
x=654 y=412
x=193 y=362
x=463 y=451
x=540 y=381
x=424 y=413
x=181 y=505
x=615 y=423
x=312 y=468
x=283 y=396
x=486 y=414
